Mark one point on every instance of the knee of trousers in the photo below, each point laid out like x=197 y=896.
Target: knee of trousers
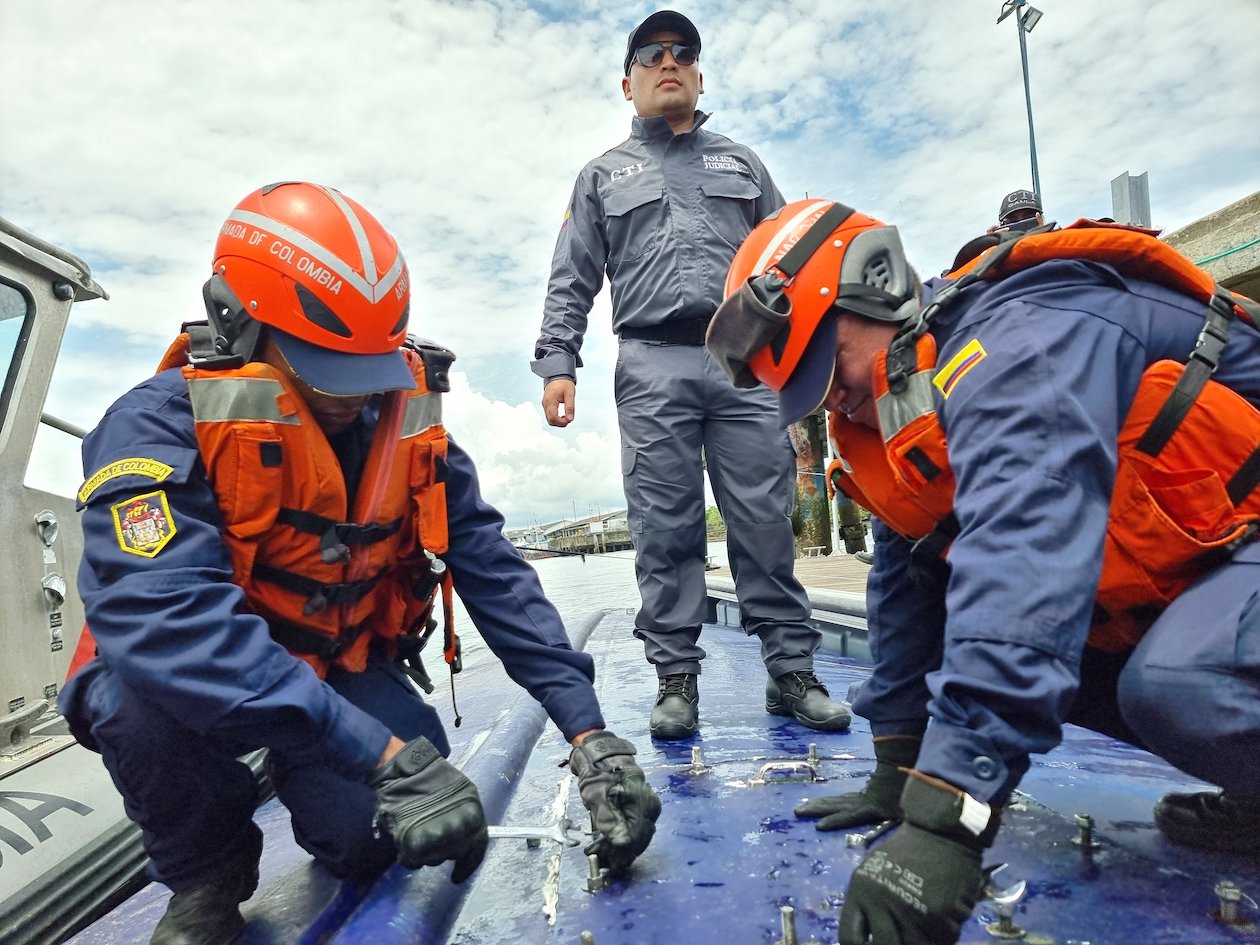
x=1202 y=721
x=332 y=821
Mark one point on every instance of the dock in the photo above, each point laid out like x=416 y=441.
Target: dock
x=835 y=572
x=836 y=585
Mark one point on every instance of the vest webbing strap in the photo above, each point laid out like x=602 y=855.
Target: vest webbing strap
x=1199 y=368
x=1246 y=479
x=928 y=565
x=349 y=533
x=319 y=595
x=301 y=640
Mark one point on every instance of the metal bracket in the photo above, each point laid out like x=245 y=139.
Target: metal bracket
x=15 y=729
x=774 y=772
x=46 y=525
x=54 y=591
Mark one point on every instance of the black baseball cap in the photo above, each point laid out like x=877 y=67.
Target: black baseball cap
x=662 y=21
x=1018 y=200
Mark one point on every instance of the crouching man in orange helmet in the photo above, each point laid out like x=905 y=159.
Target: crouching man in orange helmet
x=1061 y=443
x=268 y=524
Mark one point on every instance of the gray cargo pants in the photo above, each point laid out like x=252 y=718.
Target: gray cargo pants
x=671 y=401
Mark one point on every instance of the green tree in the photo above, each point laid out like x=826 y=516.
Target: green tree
x=714 y=526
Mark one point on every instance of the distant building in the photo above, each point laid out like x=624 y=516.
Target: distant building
x=597 y=533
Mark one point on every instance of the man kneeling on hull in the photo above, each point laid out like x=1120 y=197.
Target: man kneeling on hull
x=1061 y=443
x=258 y=575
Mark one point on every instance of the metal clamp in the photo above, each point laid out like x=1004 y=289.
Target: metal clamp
x=778 y=771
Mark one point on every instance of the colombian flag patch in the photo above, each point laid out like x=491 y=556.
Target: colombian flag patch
x=144 y=524
x=971 y=354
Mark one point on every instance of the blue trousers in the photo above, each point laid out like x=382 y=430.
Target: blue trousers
x=1191 y=688
x=194 y=801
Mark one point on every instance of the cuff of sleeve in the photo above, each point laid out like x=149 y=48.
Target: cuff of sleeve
x=571 y=729
x=556 y=364
x=969 y=761
x=355 y=742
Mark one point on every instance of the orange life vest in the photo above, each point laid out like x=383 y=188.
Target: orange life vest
x=1185 y=493
x=326 y=577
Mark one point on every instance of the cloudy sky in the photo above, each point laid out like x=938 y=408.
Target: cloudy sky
x=129 y=129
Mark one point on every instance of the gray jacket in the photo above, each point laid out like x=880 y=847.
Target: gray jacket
x=663 y=214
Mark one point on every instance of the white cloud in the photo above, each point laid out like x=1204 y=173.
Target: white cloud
x=131 y=128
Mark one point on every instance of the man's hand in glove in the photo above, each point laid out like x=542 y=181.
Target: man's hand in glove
x=879 y=800
x=617 y=795
x=920 y=886
x=430 y=810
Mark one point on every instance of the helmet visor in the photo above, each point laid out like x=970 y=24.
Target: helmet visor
x=342 y=373
x=751 y=318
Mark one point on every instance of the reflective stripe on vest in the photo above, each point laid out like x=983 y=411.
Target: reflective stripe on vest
x=219 y=398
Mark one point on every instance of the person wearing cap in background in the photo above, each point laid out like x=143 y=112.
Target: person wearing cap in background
x=268 y=523
x=1062 y=446
x=662 y=213
x=1019 y=210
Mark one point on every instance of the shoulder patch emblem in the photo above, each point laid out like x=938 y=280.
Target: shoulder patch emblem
x=134 y=466
x=144 y=524
x=956 y=368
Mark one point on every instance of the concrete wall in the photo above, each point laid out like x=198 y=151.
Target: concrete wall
x=1226 y=231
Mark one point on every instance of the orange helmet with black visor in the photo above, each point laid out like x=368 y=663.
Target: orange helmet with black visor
x=793 y=274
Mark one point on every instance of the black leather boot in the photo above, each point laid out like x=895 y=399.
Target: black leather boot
x=677 y=710
x=208 y=914
x=801 y=696
x=1210 y=821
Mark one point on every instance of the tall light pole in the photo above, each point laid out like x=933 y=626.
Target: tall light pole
x=1026 y=17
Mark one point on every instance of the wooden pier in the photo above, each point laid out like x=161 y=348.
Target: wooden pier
x=835 y=572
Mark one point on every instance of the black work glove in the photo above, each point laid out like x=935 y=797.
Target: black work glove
x=920 y=886
x=879 y=800
x=430 y=810
x=614 y=790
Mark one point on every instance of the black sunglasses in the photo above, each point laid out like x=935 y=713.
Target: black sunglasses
x=653 y=54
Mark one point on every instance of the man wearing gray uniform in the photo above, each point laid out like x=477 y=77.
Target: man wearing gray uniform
x=662 y=213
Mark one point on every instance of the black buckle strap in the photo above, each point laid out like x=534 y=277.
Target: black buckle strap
x=319 y=595
x=300 y=640
x=1200 y=365
x=335 y=538
x=1245 y=480
x=807 y=245
x=929 y=568
x=683 y=331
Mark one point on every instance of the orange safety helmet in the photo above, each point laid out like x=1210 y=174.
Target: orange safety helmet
x=328 y=279
x=795 y=271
